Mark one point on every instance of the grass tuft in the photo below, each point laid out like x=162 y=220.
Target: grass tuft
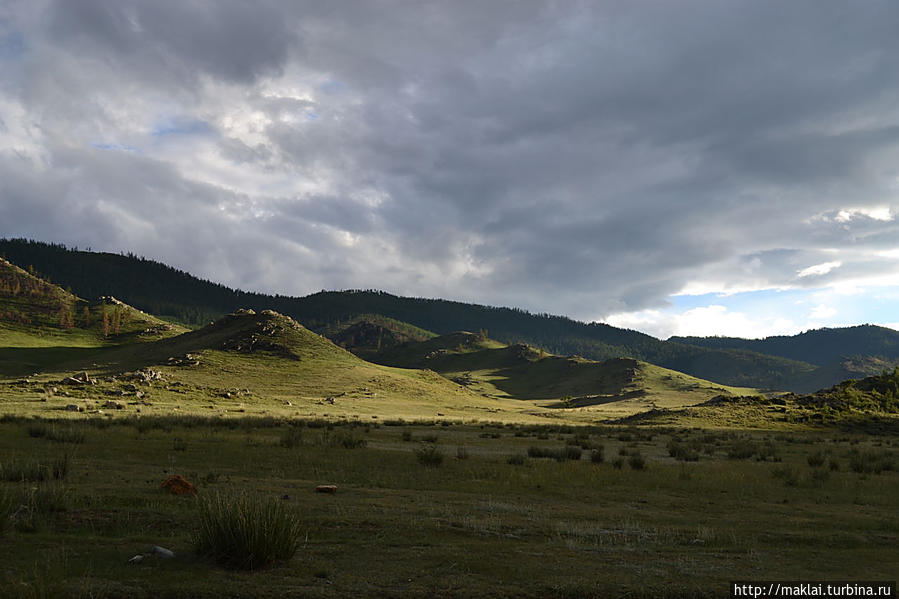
x=246 y=532
x=429 y=456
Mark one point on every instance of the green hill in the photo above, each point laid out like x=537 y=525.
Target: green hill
x=523 y=372
x=820 y=347
x=368 y=334
x=163 y=290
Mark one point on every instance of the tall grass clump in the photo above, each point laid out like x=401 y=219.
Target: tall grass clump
x=429 y=456
x=871 y=460
x=59 y=433
x=34 y=470
x=8 y=505
x=291 y=437
x=246 y=532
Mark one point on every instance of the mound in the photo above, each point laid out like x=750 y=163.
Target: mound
x=249 y=332
x=371 y=334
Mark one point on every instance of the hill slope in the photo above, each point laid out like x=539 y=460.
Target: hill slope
x=164 y=290
x=524 y=372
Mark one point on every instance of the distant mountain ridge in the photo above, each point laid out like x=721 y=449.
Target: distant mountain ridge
x=820 y=346
x=165 y=291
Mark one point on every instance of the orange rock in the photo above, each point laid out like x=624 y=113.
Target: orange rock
x=178 y=485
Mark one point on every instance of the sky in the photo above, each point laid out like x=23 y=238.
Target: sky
x=678 y=167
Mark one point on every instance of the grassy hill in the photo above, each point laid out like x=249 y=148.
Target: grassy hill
x=494 y=369
x=369 y=334
x=42 y=324
x=160 y=289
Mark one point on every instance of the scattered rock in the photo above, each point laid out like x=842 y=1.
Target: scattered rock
x=70 y=380
x=72 y=408
x=178 y=485
x=162 y=552
x=113 y=405
x=326 y=489
x=136 y=559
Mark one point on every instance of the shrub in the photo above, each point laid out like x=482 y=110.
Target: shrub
x=569 y=452
x=517 y=459
x=429 y=438
x=816 y=459
x=246 y=532
x=637 y=461
x=407 y=436
x=618 y=463
x=871 y=461
x=429 y=455
x=351 y=442
x=682 y=452
x=741 y=449
x=540 y=452
x=461 y=453
x=597 y=456
x=179 y=444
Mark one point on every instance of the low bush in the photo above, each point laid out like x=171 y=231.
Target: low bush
x=741 y=449
x=816 y=459
x=246 y=532
x=637 y=461
x=871 y=461
x=682 y=452
x=517 y=459
x=597 y=456
x=429 y=456
x=461 y=453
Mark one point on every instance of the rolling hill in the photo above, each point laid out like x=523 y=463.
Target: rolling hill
x=789 y=363
x=160 y=289
x=494 y=369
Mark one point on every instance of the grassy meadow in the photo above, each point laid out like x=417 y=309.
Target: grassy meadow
x=610 y=511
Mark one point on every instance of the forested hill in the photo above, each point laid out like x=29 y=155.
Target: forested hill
x=162 y=290
x=820 y=347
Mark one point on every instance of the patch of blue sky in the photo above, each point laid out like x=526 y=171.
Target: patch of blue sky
x=102 y=145
x=804 y=307
x=332 y=86
x=170 y=126
x=739 y=301
x=12 y=44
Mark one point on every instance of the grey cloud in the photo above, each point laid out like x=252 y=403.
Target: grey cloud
x=585 y=158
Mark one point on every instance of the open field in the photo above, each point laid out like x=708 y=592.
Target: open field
x=665 y=512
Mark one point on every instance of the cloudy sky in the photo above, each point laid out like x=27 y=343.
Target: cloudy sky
x=678 y=167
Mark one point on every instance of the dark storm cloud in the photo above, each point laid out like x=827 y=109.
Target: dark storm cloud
x=582 y=158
